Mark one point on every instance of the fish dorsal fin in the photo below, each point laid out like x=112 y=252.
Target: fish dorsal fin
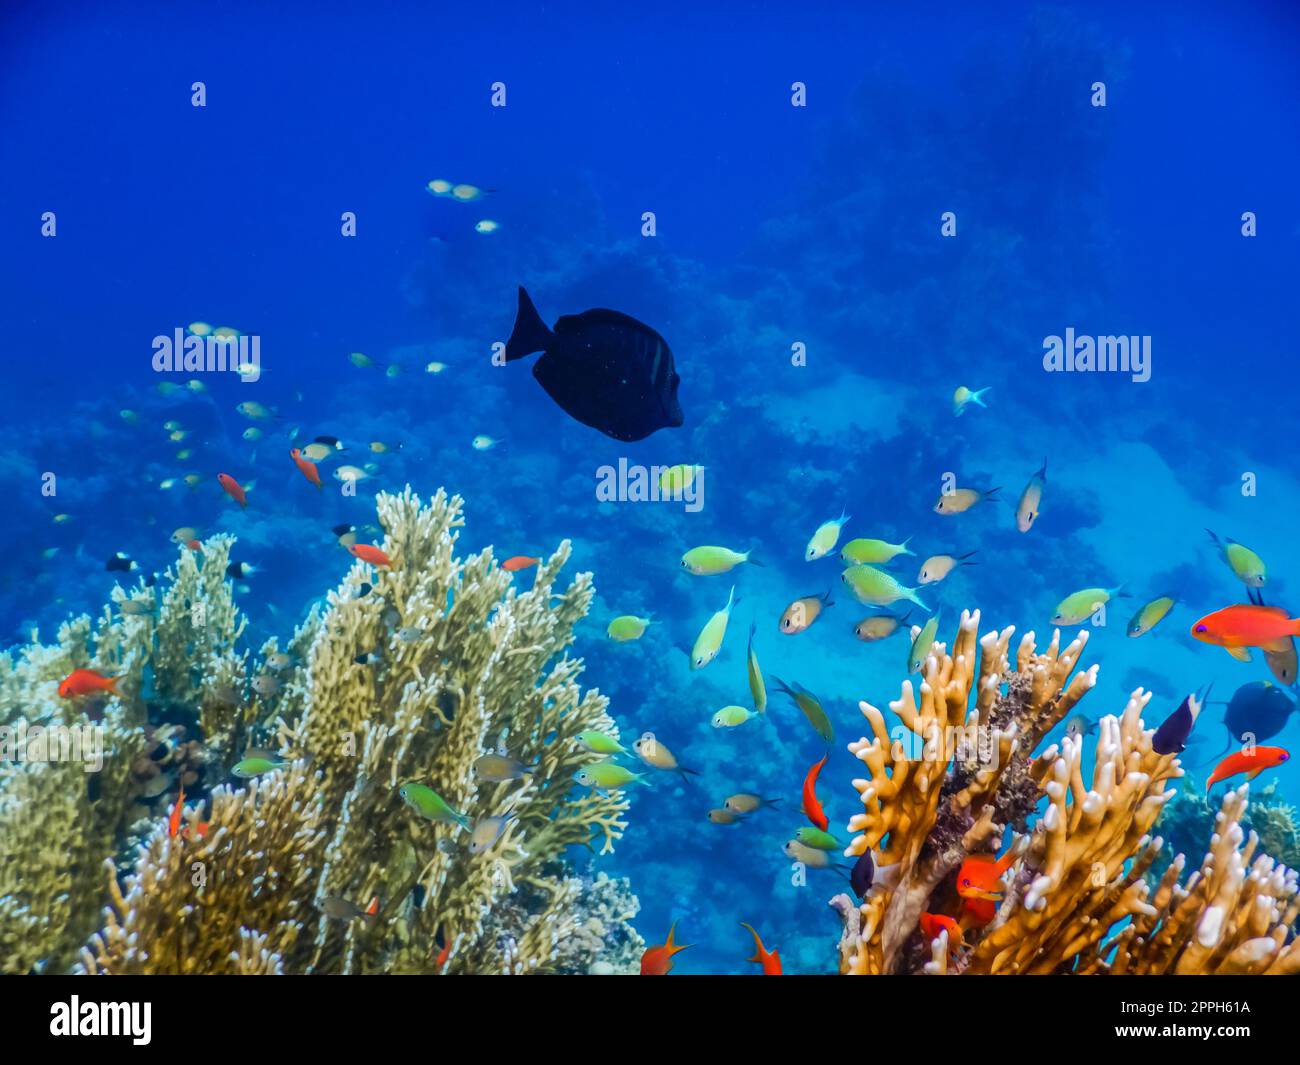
x=599 y=316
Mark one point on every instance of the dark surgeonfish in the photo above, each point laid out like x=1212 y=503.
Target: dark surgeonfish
x=603 y=368
x=1257 y=711
x=1171 y=736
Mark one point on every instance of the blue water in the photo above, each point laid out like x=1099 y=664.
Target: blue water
x=776 y=225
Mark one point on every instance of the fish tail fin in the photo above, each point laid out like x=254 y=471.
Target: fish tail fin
x=844 y=516
x=911 y=595
x=758 y=943
x=966 y=556
x=903 y=549
x=978 y=397
x=112 y=685
x=752 y=561
x=992 y=493
x=687 y=774
x=530 y=333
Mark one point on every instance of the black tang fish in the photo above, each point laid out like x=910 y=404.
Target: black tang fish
x=1171 y=736
x=864 y=872
x=603 y=368
x=1257 y=711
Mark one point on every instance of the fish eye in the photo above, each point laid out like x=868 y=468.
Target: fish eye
x=965 y=883
x=1202 y=628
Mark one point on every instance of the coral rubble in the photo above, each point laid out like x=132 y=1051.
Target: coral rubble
x=1075 y=898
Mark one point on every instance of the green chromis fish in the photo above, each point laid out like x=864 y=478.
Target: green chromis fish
x=1151 y=615
x=428 y=804
x=709 y=641
x=600 y=743
x=875 y=552
x=1077 y=608
x=247 y=768
x=922 y=645
x=745 y=802
x=960 y=500
x=825 y=538
x=937 y=567
x=1078 y=726
x=677 y=479
x=709 y=561
x=756 y=686
x=627 y=627
x=875 y=587
x=657 y=755
x=1031 y=500
x=964 y=396
x=811 y=707
x=817 y=839
x=800 y=614
x=1247 y=565
x=877 y=627
x=608 y=776
x=732 y=717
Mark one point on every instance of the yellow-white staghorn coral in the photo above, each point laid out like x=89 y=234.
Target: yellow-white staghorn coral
x=1076 y=899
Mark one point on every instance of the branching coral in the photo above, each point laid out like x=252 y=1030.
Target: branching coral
x=1077 y=874
x=412 y=673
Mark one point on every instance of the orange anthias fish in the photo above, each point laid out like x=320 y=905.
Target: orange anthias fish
x=978 y=884
x=307 y=467
x=812 y=807
x=658 y=961
x=370 y=553
x=769 y=960
x=514 y=565
x=233 y=489
x=934 y=923
x=199 y=831
x=1252 y=762
x=194 y=545
x=1247 y=625
x=174 y=822
x=86 y=681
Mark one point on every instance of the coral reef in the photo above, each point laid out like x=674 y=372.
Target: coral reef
x=409 y=674
x=1074 y=898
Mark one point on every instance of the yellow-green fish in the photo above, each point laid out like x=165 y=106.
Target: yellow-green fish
x=937 y=567
x=825 y=538
x=1247 y=565
x=963 y=395
x=677 y=479
x=252 y=433
x=878 y=588
x=486 y=225
x=435 y=367
x=600 y=743
x=250 y=408
x=811 y=707
x=1077 y=608
x=394 y=370
x=756 y=686
x=800 y=614
x=439 y=187
x=626 y=627
x=1151 y=615
x=817 y=839
x=809 y=856
x=360 y=360
x=428 y=804
x=709 y=561
x=608 y=776
x=875 y=552
x=247 y=768
x=877 y=627
x=1031 y=500
x=709 y=641
x=732 y=717
x=922 y=644
x=199 y=329
x=960 y=500
x=129 y=416
x=745 y=802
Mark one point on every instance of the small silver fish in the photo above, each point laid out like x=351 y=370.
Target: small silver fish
x=486 y=832
x=265 y=684
x=497 y=768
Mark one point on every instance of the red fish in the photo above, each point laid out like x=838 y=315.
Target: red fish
x=445 y=953
x=194 y=545
x=514 y=565
x=811 y=806
x=769 y=960
x=233 y=489
x=86 y=681
x=1247 y=625
x=199 y=831
x=658 y=961
x=307 y=467
x=934 y=923
x=174 y=822
x=1252 y=762
x=370 y=553
x=978 y=884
